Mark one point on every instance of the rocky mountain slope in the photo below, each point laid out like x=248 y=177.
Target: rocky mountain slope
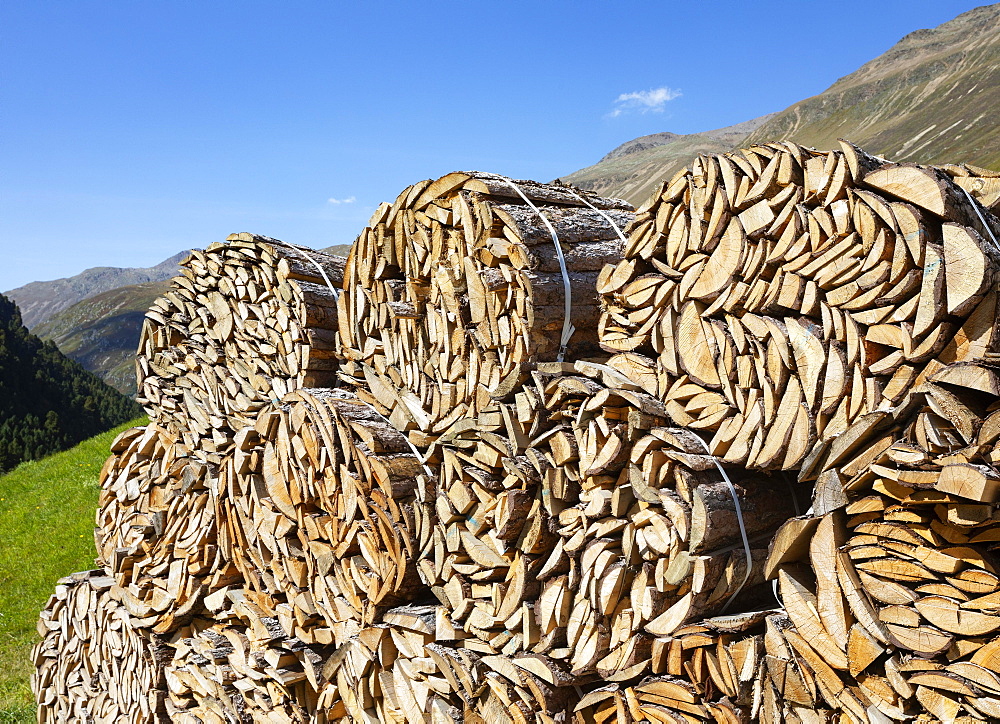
x=934 y=97
x=40 y=300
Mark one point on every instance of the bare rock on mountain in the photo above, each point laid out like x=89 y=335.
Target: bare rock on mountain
x=933 y=97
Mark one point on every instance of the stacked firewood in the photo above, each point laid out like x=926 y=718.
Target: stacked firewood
x=460 y=282
x=156 y=531
x=318 y=509
x=771 y=297
x=528 y=456
x=600 y=527
x=234 y=662
x=244 y=323
x=93 y=664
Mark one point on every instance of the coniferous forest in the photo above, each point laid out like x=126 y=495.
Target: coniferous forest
x=48 y=402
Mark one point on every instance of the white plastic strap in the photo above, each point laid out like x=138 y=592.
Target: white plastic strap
x=568 y=329
x=739 y=518
x=975 y=205
x=322 y=271
x=621 y=234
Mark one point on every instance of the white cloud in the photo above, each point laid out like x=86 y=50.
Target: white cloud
x=647 y=101
x=338 y=202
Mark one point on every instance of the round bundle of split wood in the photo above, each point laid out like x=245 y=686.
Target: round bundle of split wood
x=772 y=296
x=319 y=509
x=713 y=670
x=403 y=669
x=236 y=666
x=898 y=605
x=415 y=667
x=459 y=282
x=156 y=530
x=492 y=543
x=245 y=322
x=92 y=664
x=659 y=534
x=571 y=521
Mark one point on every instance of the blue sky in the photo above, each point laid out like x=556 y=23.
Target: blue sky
x=131 y=130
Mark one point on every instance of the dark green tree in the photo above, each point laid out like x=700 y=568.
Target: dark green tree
x=48 y=402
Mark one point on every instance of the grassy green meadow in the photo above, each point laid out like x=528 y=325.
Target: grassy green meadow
x=47 y=512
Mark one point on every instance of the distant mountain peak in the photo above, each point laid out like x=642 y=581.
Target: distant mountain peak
x=640 y=144
x=41 y=300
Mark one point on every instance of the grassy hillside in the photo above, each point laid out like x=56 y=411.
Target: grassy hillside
x=338 y=249
x=46 y=531
x=102 y=332
x=934 y=97
x=633 y=176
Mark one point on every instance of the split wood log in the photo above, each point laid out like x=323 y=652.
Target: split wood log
x=244 y=323
x=156 y=529
x=319 y=510
x=92 y=664
x=774 y=295
x=238 y=666
x=982 y=184
x=458 y=283
x=522 y=690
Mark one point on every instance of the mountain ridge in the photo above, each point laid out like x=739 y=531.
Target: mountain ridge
x=930 y=98
x=41 y=300
x=102 y=332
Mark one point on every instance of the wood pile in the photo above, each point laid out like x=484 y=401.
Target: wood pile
x=758 y=482
x=244 y=323
x=601 y=525
x=92 y=664
x=319 y=509
x=156 y=529
x=235 y=663
x=772 y=296
x=450 y=290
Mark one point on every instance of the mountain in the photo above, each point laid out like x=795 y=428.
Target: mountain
x=102 y=331
x=47 y=401
x=632 y=170
x=40 y=300
x=934 y=97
